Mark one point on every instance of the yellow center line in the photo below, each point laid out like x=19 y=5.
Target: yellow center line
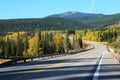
x=55 y=65
x=39 y=70
x=49 y=67
x=52 y=66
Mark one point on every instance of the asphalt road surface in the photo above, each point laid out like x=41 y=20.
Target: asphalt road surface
x=95 y=64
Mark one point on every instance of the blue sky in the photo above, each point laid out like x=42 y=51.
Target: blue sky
x=41 y=8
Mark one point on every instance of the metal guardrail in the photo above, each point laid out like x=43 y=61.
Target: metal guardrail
x=29 y=59
x=42 y=57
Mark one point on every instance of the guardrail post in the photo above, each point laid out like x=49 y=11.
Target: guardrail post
x=24 y=60
x=31 y=59
x=15 y=61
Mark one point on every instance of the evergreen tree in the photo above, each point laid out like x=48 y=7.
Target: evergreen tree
x=7 y=48
x=26 y=44
x=67 y=42
x=2 y=47
x=13 y=48
x=20 y=46
x=39 y=42
x=80 y=42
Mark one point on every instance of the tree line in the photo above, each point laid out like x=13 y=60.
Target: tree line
x=111 y=34
x=39 y=43
x=12 y=25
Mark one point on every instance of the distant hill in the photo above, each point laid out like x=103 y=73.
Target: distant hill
x=74 y=14
x=96 y=21
x=92 y=20
x=114 y=26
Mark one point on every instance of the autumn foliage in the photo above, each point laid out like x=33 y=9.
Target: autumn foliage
x=35 y=43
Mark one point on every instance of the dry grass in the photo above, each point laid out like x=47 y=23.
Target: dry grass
x=115 y=55
x=4 y=60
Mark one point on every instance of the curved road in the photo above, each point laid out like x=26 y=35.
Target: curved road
x=95 y=64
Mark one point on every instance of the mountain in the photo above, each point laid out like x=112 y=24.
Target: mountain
x=75 y=14
x=102 y=21
x=69 y=20
x=90 y=19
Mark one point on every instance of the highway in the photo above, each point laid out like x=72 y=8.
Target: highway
x=95 y=64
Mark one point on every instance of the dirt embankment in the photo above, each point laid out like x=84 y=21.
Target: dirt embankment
x=114 y=54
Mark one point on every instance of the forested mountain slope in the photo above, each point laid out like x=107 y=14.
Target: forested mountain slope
x=44 y=24
x=71 y=21
x=93 y=20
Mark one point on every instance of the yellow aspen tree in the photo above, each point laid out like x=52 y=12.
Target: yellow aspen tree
x=33 y=45
x=58 y=42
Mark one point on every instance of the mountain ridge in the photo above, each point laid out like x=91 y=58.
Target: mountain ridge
x=91 y=19
x=88 y=21
x=73 y=14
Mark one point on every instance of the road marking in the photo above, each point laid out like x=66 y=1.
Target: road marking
x=85 y=55
x=55 y=65
x=40 y=71
x=52 y=66
x=95 y=77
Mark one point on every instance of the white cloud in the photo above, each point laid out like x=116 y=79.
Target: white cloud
x=92 y=6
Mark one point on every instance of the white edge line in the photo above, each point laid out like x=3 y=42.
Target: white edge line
x=96 y=74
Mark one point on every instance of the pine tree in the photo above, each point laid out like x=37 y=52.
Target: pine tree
x=2 y=47
x=80 y=42
x=46 y=45
x=26 y=44
x=13 y=48
x=7 y=47
x=67 y=42
x=20 y=46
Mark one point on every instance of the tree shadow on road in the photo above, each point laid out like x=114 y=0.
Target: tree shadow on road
x=66 y=72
